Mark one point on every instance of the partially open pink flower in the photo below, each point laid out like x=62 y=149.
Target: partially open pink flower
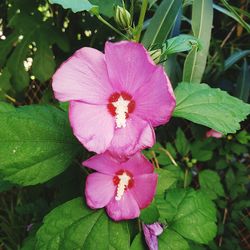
x=115 y=99
x=213 y=133
x=151 y=231
x=123 y=188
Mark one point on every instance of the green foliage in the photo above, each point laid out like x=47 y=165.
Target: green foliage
x=161 y=24
x=75 y=5
x=74 y=226
x=204 y=105
x=210 y=184
x=202 y=18
x=150 y=214
x=180 y=43
x=181 y=142
x=191 y=214
x=37 y=144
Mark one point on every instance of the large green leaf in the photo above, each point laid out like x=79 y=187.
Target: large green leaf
x=161 y=23
x=213 y=108
x=75 y=5
x=210 y=184
x=74 y=226
x=190 y=213
x=36 y=144
x=202 y=19
x=170 y=240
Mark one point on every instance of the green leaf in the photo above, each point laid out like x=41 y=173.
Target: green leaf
x=201 y=151
x=243 y=83
x=210 y=184
x=161 y=23
x=181 y=143
x=235 y=57
x=170 y=240
x=6 y=107
x=237 y=16
x=138 y=243
x=36 y=144
x=166 y=179
x=202 y=19
x=190 y=213
x=243 y=137
x=150 y=214
x=180 y=43
x=5 y=84
x=44 y=64
x=76 y=5
x=210 y=107
x=105 y=7
x=74 y=226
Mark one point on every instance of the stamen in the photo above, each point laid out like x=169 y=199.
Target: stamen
x=120 y=105
x=123 y=181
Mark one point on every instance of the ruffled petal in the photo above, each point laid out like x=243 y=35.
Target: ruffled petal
x=99 y=190
x=138 y=165
x=103 y=163
x=144 y=189
x=92 y=125
x=137 y=135
x=129 y=65
x=124 y=209
x=155 y=100
x=83 y=77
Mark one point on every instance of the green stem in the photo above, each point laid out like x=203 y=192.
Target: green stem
x=141 y=19
x=111 y=26
x=185 y=177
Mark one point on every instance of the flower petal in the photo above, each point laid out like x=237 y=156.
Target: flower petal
x=128 y=64
x=138 y=165
x=155 y=100
x=83 y=77
x=124 y=209
x=103 y=163
x=144 y=189
x=99 y=190
x=137 y=135
x=92 y=125
x=150 y=238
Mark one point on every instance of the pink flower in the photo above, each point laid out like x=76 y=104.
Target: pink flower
x=115 y=99
x=213 y=133
x=151 y=232
x=123 y=188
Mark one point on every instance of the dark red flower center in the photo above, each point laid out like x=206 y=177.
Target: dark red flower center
x=115 y=97
x=123 y=180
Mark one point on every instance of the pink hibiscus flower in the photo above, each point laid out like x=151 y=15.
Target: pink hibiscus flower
x=213 y=133
x=151 y=232
x=115 y=99
x=123 y=188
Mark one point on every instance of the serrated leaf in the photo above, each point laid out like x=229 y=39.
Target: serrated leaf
x=36 y=144
x=210 y=107
x=75 y=5
x=190 y=213
x=210 y=184
x=202 y=19
x=74 y=226
x=170 y=240
x=180 y=43
x=150 y=214
x=6 y=107
x=161 y=23
x=166 y=179
x=181 y=143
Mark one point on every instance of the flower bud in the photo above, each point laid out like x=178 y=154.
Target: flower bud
x=155 y=55
x=122 y=17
